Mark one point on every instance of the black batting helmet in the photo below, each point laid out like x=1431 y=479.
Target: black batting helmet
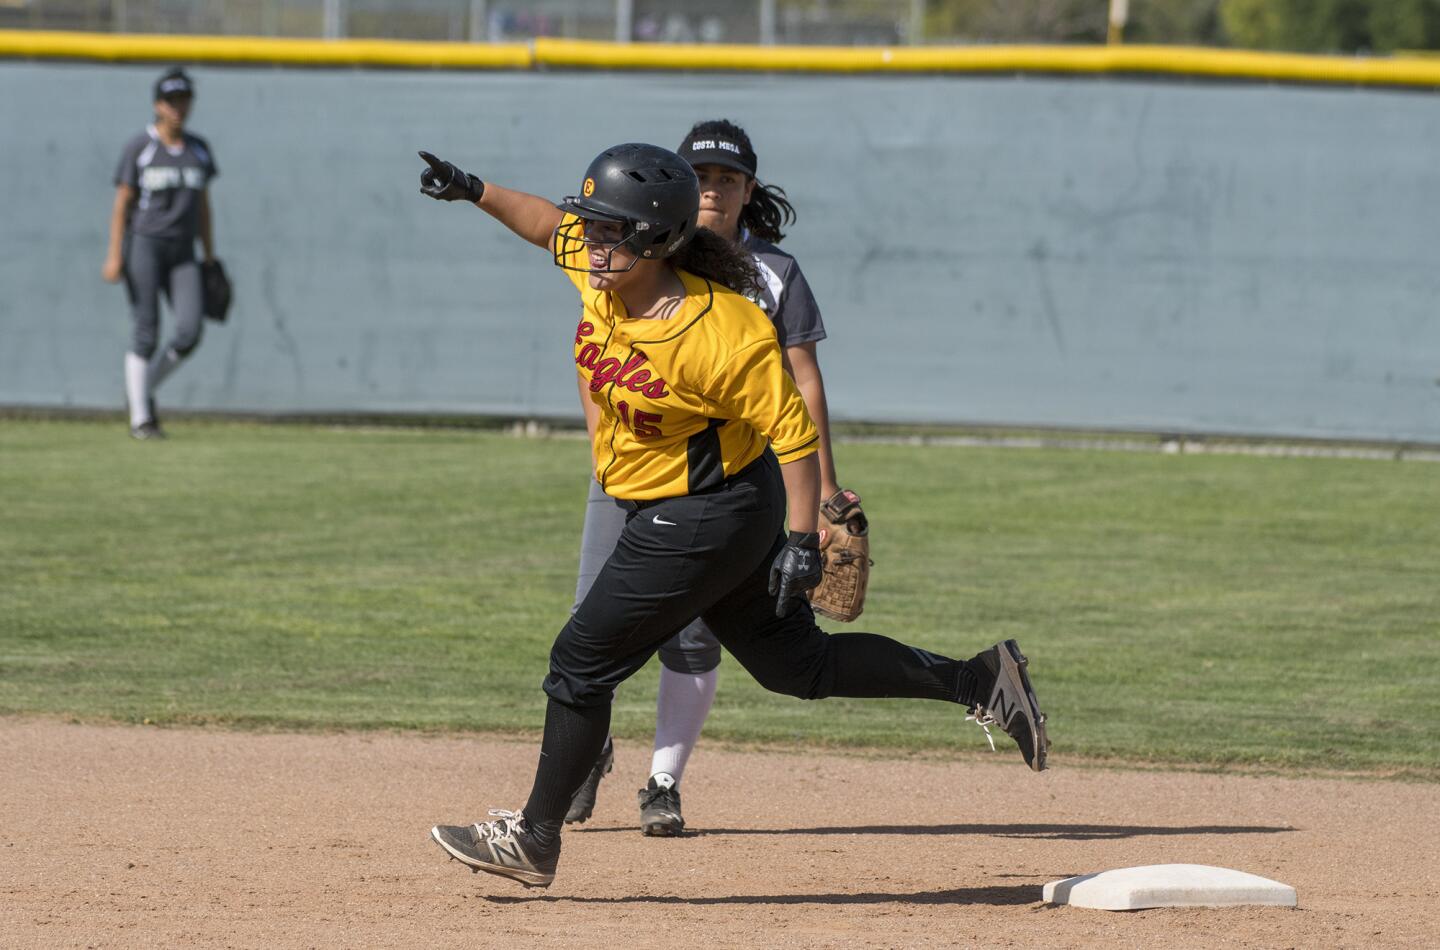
x=649 y=188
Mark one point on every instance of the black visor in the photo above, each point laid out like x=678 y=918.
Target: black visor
x=174 y=85
x=715 y=149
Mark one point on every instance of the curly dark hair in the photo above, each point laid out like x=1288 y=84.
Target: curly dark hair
x=768 y=209
x=709 y=255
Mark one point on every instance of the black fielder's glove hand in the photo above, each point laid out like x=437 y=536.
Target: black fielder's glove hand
x=796 y=570
x=444 y=182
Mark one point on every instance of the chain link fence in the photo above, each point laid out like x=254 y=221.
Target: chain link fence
x=837 y=22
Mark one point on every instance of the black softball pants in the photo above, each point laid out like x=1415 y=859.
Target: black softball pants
x=707 y=555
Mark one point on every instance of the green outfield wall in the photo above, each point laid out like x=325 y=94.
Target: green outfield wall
x=1093 y=249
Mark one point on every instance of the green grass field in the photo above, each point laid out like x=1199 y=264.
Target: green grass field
x=1260 y=612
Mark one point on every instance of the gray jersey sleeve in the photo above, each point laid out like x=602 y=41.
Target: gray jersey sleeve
x=128 y=171
x=785 y=295
x=202 y=151
x=798 y=313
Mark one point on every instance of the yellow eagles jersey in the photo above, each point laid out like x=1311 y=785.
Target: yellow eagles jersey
x=687 y=401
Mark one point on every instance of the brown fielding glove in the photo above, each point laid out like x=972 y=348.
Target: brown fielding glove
x=845 y=551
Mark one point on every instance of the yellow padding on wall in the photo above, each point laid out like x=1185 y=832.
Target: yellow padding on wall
x=585 y=54
x=119 y=47
x=1177 y=60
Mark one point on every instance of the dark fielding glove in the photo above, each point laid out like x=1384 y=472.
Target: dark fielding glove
x=444 y=182
x=841 y=594
x=215 y=291
x=796 y=570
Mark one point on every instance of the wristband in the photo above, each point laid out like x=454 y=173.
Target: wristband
x=804 y=539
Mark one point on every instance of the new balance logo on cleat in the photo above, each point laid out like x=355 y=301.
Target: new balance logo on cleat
x=507 y=855
x=1003 y=708
x=504 y=847
x=1012 y=704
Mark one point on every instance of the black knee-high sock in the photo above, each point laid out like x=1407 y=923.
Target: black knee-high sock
x=869 y=665
x=573 y=738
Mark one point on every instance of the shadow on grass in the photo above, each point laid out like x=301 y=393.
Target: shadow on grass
x=999 y=896
x=1042 y=832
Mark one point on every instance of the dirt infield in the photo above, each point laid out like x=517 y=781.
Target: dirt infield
x=132 y=836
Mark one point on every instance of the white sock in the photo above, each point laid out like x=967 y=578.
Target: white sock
x=680 y=710
x=163 y=366
x=137 y=388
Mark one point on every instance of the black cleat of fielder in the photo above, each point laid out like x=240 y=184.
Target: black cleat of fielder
x=582 y=806
x=660 y=810
x=503 y=846
x=1012 y=705
x=147 y=432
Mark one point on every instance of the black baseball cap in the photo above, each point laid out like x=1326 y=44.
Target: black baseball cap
x=712 y=148
x=173 y=85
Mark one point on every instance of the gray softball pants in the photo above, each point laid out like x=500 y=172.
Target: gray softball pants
x=161 y=265
x=693 y=650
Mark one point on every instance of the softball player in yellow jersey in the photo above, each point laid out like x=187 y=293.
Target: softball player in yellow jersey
x=750 y=214
x=705 y=439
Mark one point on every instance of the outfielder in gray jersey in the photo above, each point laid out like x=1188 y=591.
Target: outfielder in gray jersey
x=161 y=207
x=739 y=208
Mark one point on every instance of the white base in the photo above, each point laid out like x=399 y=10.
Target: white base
x=1168 y=885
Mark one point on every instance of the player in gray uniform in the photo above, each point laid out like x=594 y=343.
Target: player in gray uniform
x=161 y=206
x=736 y=206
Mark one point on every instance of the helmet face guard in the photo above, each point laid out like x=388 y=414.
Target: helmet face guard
x=650 y=191
x=570 y=242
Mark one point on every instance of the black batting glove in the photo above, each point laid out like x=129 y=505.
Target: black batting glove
x=444 y=182
x=796 y=569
